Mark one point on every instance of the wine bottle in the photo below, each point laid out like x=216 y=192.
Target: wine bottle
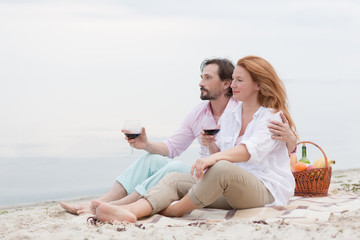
x=304 y=158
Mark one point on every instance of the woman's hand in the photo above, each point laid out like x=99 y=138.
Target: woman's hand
x=140 y=142
x=202 y=164
x=283 y=132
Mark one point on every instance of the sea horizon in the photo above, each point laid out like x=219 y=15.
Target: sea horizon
x=41 y=179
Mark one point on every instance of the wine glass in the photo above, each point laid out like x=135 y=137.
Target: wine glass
x=210 y=126
x=132 y=129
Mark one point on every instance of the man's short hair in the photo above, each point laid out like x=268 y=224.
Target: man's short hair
x=226 y=69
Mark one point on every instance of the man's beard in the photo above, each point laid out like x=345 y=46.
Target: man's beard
x=205 y=95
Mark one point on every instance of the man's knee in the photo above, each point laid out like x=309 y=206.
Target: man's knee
x=149 y=159
x=177 y=166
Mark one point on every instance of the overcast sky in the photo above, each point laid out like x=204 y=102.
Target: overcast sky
x=73 y=71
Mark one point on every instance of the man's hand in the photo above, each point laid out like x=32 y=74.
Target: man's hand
x=140 y=142
x=283 y=132
x=207 y=140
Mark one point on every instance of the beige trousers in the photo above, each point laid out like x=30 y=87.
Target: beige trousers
x=224 y=186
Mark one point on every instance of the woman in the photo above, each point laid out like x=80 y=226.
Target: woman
x=252 y=169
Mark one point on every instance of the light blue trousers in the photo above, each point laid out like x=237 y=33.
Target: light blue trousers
x=147 y=171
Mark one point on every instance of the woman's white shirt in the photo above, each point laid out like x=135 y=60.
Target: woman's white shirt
x=269 y=159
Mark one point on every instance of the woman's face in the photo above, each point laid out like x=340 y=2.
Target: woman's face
x=243 y=87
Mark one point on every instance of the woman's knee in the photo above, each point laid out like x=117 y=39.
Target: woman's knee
x=170 y=177
x=221 y=171
x=221 y=167
x=174 y=178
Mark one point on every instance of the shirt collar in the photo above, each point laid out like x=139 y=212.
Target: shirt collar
x=237 y=111
x=258 y=112
x=232 y=102
x=208 y=109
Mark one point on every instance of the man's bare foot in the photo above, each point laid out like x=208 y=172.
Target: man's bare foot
x=109 y=213
x=80 y=209
x=84 y=210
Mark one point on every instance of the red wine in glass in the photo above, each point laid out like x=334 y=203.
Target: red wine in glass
x=210 y=126
x=133 y=130
x=132 y=135
x=211 y=131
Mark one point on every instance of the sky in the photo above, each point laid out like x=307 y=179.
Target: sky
x=71 y=72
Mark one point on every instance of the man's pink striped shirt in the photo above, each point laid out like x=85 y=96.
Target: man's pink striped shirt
x=191 y=128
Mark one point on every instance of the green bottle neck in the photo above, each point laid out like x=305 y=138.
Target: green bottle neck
x=303 y=151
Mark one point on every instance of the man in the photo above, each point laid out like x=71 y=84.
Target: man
x=147 y=171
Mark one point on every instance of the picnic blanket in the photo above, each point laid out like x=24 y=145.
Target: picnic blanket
x=337 y=215
x=300 y=209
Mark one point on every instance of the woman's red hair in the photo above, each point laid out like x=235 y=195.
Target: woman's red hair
x=272 y=92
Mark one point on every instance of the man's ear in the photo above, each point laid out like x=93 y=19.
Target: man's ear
x=227 y=84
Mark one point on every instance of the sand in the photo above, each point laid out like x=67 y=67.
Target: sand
x=336 y=216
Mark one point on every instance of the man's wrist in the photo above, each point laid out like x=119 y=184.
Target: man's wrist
x=148 y=146
x=294 y=140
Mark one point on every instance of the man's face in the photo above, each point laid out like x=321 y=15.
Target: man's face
x=211 y=86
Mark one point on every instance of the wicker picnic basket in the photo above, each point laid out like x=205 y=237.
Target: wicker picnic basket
x=314 y=182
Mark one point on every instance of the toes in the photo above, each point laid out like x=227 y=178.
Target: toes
x=62 y=204
x=94 y=205
x=84 y=210
x=68 y=207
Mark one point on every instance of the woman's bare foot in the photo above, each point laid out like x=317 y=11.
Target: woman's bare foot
x=105 y=212
x=80 y=209
x=179 y=208
x=169 y=212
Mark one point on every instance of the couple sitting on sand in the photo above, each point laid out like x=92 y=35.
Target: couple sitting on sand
x=249 y=164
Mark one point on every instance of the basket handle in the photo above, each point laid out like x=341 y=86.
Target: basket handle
x=325 y=157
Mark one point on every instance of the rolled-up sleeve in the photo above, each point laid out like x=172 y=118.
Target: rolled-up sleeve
x=180 y=140
x=259 y=143
x=188 y=131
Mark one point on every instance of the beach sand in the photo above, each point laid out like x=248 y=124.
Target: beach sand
x=336 y=216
